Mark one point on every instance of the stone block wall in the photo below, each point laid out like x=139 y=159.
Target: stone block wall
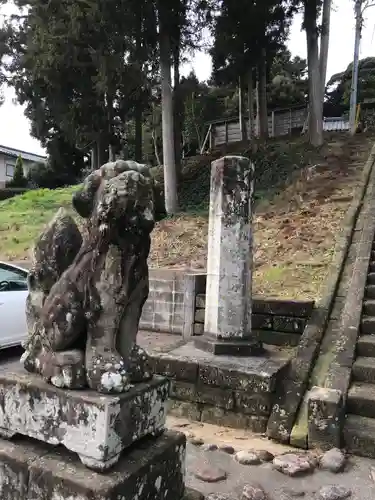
x=275 y=322
x=220 y=391
x=176 y=304
x=164 y=308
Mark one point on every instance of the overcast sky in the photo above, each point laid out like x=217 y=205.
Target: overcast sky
x=14 y=127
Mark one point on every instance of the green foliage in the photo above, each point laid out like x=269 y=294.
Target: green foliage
x=19 y=180
x=338 y=87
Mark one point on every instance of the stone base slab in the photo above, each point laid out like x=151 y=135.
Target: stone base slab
x=97 y=427
x=153 y=469
x=230 y=347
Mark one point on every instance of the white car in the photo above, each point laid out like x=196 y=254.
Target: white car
x=13 y=293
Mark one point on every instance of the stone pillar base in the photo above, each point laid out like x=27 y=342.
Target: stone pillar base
x=231 y=347
x=154 y=468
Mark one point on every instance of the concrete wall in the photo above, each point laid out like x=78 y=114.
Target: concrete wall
x=10 y=160
x=176 y=304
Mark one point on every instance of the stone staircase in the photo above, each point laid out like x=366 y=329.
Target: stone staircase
x=359 y=429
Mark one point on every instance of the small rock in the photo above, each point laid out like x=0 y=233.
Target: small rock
x=196 y=441
x=372 y=473
x=226 y=448
x=210 y=474
x=192 y=495
x=334 y=493
x=293 y=464
x=209 y=447
x=333 y=460
x=265 y=456
x=247 y=458
x=253 y=492
x=292 y=493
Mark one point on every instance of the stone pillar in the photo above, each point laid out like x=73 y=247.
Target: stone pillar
x=229 y=266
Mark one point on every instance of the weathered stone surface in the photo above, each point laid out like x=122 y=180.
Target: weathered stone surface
x=334 y=493
x=96 y=427
x=219 y=416
x=209 y=447
x=185 y=409
x=250 y=374
x=253 y=492
x=229 y=260
x=293 y=492
x=209 y=473
x=324 y=417
x=253 y=403
x=293 y=464
x=90 y=297
x=247 y=458
x=333 y=460
x=155 y=469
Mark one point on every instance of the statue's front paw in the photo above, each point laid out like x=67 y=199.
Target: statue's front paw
x=107 y=374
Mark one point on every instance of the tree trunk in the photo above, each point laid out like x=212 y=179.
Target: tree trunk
x=170 y=184
x=262 y=96
x=324 y=46
x=94 y=157
x=111 y=153
x=250 y=104
x=315 y=95
x=138 y=132
x=101 y=146
x=177 y=108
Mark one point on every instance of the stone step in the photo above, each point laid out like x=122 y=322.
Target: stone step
x=361 y=399
x=371 y=267
x=366 y=346
x=369 y=307
x=368 y=325
x=371 y=278
x=364 y=370
x=359 y=435
x=370 y=292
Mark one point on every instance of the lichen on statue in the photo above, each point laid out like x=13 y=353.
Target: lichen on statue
x=86 y=293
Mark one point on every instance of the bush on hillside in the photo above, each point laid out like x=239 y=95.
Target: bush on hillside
x=42 y=175
x=19 y=180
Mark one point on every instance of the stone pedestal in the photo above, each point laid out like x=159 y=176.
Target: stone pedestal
x=229 y=261
x=152 y=470
x=95 y=426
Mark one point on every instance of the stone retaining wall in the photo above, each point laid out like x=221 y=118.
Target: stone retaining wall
x=176 y=304
x=220 y=390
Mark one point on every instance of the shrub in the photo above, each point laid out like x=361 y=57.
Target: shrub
x=19 y=180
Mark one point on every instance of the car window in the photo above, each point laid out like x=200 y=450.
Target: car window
x=16 y=278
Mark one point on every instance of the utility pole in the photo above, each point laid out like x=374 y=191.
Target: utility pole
x=359 y=8
x=354 y=87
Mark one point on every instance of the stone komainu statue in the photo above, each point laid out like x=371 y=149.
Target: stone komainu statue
x=86 y=292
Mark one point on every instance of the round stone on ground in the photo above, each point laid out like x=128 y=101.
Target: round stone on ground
x=253 y=492
x=209 y=473
x=293 y=464
x=196 y=441
x=333 y=460
x=334 y=493
x=265 y=456
x=247 y=458
x=227 y=448
x=209 y=447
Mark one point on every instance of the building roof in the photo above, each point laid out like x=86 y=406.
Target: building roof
x=24 y=155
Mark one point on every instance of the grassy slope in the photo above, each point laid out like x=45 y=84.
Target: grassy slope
x=302 y=196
